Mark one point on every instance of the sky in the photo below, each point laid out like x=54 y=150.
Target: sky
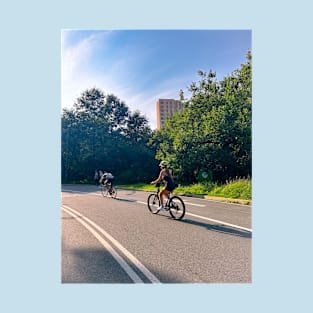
x=141 y=66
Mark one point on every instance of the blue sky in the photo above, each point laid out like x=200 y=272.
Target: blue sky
x=140 y=66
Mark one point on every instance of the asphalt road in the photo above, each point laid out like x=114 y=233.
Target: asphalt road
x=118 y=240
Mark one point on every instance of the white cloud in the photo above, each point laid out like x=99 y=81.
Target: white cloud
x=77 y=76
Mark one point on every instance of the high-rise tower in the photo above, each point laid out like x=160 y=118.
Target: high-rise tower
x=166 y=108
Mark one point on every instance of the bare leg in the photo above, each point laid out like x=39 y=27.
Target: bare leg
x=163 y=192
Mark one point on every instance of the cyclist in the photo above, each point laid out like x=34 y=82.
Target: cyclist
x=167 y=178
x=107 y=179
x=97 y=176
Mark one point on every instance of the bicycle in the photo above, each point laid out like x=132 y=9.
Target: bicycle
x=174 y=204
x=108 y=190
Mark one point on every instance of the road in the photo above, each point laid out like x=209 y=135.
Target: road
x=118 y=240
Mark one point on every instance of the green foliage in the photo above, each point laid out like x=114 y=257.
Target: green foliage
x=196 y=189
x=213 y=132
x=143 y=187
x=237 y=189
x=101 y=132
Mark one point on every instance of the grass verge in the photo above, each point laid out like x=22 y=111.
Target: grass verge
x=236 y=191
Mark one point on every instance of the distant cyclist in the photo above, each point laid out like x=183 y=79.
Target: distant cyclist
x=97 y=176
x=167 y=178
x=107 y=179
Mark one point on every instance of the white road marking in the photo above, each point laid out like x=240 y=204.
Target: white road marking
x=118 y=258
x=206 y=218
x=216 y=201
x=141 y=202
x=200 y=205
x=135 y=278
x=219 y=222
x=195 y=204
x=209 y=219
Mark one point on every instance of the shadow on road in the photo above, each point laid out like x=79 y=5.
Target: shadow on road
x=129 y=192
x=89 y=266
x=220 y=228
x=125 y=200
x=94 y=265
x=67 y=218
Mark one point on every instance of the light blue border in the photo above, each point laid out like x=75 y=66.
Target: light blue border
x=282 y=155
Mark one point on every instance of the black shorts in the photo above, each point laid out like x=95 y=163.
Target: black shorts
x=169 y=187
x=109 y=181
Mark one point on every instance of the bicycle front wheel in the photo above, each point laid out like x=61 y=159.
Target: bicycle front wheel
x=177 y=208
x=153 y=203
x=104 y=191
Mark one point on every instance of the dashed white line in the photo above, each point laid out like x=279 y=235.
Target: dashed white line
x=141 y=202
x=195 y=204
x=208 y=219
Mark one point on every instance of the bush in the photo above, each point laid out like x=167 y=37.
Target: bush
x=237 y=189
x=198 y=189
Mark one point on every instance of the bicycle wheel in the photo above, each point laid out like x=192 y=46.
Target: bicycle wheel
x=177 y=208
x=113 y=192
x=153 y=203
x=104 y=191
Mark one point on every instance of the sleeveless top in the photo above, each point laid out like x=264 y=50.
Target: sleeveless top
x=169 y=183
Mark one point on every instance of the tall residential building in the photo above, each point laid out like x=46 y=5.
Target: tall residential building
x=166 y=108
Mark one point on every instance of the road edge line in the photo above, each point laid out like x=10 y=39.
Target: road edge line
x=129 y=271
x=131 y=257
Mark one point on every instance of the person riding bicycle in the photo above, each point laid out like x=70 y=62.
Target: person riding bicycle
x=97 y=176
x=167 y=178
x=107 y=179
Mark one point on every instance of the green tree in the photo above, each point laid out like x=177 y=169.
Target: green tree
x=213 y=132
x=137 y=129
x=100 y=132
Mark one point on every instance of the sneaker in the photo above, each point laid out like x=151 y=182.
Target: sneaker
x=161 y=207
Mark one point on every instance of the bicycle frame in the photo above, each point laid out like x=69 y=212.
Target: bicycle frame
x=108 y=189
x=169 y=195
x=174 y=204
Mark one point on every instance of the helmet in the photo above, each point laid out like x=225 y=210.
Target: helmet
x=163 y=163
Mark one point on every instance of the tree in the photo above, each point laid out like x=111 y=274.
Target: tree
x=213 y=132
x=100 y=132
x=137 y=129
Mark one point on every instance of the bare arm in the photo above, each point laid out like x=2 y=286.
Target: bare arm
x=159 y=179
x=101 y=179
